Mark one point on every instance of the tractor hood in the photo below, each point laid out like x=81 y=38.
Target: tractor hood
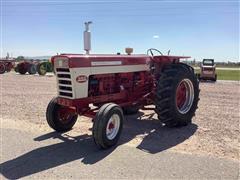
x=83 y=60
x=80 y=60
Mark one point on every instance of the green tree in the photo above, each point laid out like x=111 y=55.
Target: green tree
x=20 y=58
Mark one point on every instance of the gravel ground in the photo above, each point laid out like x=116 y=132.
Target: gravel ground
x=215 y=128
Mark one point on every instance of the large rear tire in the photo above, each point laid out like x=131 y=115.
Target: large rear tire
x=177 y=95
x=22 y=68
x=60 y=118
x=2 y=68
x=9 y=67
x=107 y=126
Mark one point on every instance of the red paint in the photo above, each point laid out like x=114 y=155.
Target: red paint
x=86 y=61
x=65 y=114
x=181 y=95
x=111 y=126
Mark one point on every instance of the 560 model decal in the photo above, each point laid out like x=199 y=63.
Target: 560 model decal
x=81 y=79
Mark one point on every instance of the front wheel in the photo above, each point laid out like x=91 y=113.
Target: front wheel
x=107 y=125
x=60 y=118
x=177 y=95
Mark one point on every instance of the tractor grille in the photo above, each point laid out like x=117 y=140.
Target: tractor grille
x=64 y=82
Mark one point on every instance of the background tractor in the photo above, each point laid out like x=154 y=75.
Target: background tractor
x=33 y=67
x=6 y=65
x=207 y=70
x=105 y=87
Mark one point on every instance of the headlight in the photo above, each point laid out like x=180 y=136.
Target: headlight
x=61 y=62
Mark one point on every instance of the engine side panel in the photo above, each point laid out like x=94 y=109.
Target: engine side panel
x=80 y=87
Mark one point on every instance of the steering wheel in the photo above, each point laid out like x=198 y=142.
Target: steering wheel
x=151 y=51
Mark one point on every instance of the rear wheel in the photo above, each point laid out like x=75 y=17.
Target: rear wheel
x=9 y=67
x=2 y=68
x=60 y=118
x=177 y=95
x=22 y=68
x=107 y=125
x=42 y=69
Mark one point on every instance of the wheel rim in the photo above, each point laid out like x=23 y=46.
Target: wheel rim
x=184 y=96
x=113 y=126
x=65 y=115
x=42 y=69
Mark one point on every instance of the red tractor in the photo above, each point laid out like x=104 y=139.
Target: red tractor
x=6 y=65
x=26 y=66
x=105 y=87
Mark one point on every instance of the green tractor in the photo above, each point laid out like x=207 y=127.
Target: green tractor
x=44 y=67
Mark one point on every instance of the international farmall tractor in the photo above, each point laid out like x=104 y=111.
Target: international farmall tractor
x=105 y=87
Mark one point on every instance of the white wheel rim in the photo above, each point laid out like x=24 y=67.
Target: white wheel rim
x=189 y=96
x=113 y=126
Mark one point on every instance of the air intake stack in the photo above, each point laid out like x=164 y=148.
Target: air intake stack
x=87 y=37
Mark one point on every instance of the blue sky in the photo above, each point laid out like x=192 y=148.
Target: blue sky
x=201 y=29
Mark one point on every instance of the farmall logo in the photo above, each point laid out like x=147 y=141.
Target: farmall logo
x=81 y=79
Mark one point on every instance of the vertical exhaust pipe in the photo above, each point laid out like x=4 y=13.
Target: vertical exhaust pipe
x=87 y=37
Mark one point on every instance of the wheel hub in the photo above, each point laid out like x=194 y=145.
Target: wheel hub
x=42 y=69
x=65 y=114
x=113 y=126
x=184 y=96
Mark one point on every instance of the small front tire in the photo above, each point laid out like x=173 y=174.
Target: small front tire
x=107 y=125
x=60 y=118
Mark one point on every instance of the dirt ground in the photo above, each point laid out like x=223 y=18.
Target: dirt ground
x=215 y=128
